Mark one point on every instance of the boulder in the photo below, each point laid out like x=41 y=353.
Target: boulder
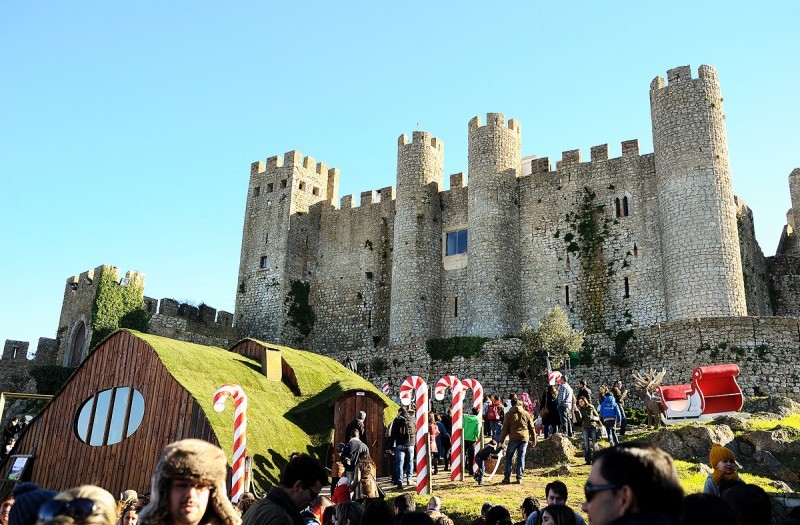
x=774 y=441
x=555 y=450
x=693 y=441
x=780 y=405
x=735 y=422
x=561 y=472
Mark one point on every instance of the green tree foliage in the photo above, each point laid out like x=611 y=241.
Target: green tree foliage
x=113 y=302
x=554 y=336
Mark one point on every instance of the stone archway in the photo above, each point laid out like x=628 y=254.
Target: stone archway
x=77 y=344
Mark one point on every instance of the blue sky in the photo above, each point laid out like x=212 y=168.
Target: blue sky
x=127 y=128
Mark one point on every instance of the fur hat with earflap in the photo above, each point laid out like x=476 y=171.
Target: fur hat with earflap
x=190 y=459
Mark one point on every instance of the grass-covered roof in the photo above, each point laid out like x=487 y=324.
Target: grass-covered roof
x=278 y=421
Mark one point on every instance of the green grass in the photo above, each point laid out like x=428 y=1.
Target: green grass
x=279 y=422
x=759 y=423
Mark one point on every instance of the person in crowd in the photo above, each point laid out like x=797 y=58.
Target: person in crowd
x=481 y=520
x=750 y=503
x=402 y=504
x=619 y=396
x=28 y=497
x=354 y=450
x=557 y=515
x=564 y=403
x=584 y=391
x=611 y=415
x=403 y=434
x=12 y=430
x=443 y=442
x=188 y=487
x=125 y=499
x=434 y=509
x=443 y=520
x=589 y=421
x=527 y=404
x=487 y=427
x=555 y=493
x=518 y=427
x=492 y=447
x=724 y=474
x=633 y=482
x=342 y=492
x=348 y=513
x=494 y=414
x=84 y=505
x=337 y=467
x=312 y=515
x=129 y=515
x=365 y=486
x=702 y=509
x=498 y=515
x=327 y=516
x=300 y=482
x=471 y=430
x=5 y=507
x=377 y=512
x=417 y=518
x=528 y=507
x=548 y=410
x=246 y=502
x=357 y=423
x=433 y=435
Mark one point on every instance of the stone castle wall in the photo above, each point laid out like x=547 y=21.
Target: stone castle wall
x=765 y=348
x=15 y=366
x=202 y=325
x=754 y=264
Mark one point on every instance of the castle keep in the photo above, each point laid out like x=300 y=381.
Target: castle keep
x=618 y=243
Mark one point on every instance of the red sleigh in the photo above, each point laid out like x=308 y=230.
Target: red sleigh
x=713 y=392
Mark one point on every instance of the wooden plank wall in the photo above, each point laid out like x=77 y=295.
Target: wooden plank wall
x=347 y=408
x=63 y=460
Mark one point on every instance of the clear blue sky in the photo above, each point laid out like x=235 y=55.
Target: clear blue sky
x=127 y=128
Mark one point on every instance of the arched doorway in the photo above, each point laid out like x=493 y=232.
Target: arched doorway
x=78 y=344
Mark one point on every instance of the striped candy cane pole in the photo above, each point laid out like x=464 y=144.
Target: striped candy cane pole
x=477 y=402
x=239 y=429
x=418 y=386
x=456 y=409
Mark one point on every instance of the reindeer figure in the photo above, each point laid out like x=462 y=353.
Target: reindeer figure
x=646 y=389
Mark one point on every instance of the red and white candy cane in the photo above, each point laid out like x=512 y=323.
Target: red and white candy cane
x=418 y=386
x=457 y=413
x=239 y=429
x=477 y=402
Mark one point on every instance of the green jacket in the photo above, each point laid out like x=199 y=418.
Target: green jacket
x=472 y=427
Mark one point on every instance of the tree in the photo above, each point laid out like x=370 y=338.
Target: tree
x=553 y=338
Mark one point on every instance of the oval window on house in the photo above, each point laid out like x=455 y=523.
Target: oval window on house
x=109 y=416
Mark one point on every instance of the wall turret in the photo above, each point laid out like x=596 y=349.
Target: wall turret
x=493 y=272
x=701 y=261
x=416 y=275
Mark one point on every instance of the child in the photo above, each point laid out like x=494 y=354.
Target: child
x=611 y=415
x=724 y=464
x=483 y=454
x=342 y=492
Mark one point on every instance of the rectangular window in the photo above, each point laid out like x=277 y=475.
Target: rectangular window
x=266 y=238
x=302 y=186
x=455 y=306
x=283 y=183
x=270 y=186
x=566 y=293
x=456 y=242
x=256 y=191
x=627 y=289
x=264 y=262
x=315 y=191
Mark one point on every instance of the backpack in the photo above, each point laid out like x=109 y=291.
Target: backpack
x=493 y=413
x=407 y=430
x=607 y=409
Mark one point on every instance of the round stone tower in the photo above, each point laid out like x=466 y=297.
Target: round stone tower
x=702 y=267
x=493 y=227
x=416 y=258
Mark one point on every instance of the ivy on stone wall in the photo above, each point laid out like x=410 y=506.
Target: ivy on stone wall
x=620 y=357
x=50 y=378
x=113 y=302
x=590 y=229
x=451 y=347
x=301 y=315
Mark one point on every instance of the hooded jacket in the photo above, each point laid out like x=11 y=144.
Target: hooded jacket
x=518 y=426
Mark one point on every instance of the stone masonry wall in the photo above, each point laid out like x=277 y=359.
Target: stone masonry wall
x=202 y=325
x=15 y=366
x=754 y=265
x=765 y=348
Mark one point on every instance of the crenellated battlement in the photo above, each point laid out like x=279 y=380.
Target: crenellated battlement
x=203 y=314
x=599 y=153
x=682 y=74
x=495 y=120
x=420 y=138
x=295 y=159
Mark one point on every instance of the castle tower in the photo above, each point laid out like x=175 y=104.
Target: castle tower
x=702 y=268
x=493 y=227
x=273 y=256
x=793 y=217
x=416 y=259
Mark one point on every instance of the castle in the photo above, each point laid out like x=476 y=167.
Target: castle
x=655 y=244
x=618 y=243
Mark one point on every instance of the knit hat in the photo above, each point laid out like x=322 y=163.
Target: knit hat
x=28 y=497
x=192 y=459
x=719 y=453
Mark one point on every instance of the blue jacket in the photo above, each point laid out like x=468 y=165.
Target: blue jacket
x=609 y=409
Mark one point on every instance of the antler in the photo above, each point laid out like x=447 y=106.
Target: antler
x=651 y=380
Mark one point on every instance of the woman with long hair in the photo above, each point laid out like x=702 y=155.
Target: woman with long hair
x=556 y=515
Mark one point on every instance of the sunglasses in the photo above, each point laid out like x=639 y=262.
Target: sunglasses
x=589 y=490
x=80 y=508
